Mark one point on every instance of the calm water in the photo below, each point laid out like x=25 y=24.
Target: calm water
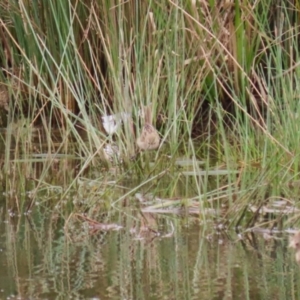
x=42 y=259
x=53 y=253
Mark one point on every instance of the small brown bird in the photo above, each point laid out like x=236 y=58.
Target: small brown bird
x=4 y=97
x=149 y=138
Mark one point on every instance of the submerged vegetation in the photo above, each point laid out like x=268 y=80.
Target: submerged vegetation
x=220 y=78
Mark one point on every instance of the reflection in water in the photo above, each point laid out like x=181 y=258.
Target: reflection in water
x=40 y=259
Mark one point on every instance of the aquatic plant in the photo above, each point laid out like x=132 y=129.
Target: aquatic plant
x=221 y=78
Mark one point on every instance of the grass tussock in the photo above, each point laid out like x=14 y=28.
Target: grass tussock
x=219 y=76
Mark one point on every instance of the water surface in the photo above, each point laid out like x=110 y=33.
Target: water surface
x=41 y=259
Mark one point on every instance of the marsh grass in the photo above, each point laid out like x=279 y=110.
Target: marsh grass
x=221 y=79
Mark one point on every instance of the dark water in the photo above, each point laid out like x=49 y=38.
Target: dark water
x=42 y=258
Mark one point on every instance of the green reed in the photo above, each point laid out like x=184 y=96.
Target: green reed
x=221 y=79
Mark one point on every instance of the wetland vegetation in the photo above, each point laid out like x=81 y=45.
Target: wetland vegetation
x=80 y=81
